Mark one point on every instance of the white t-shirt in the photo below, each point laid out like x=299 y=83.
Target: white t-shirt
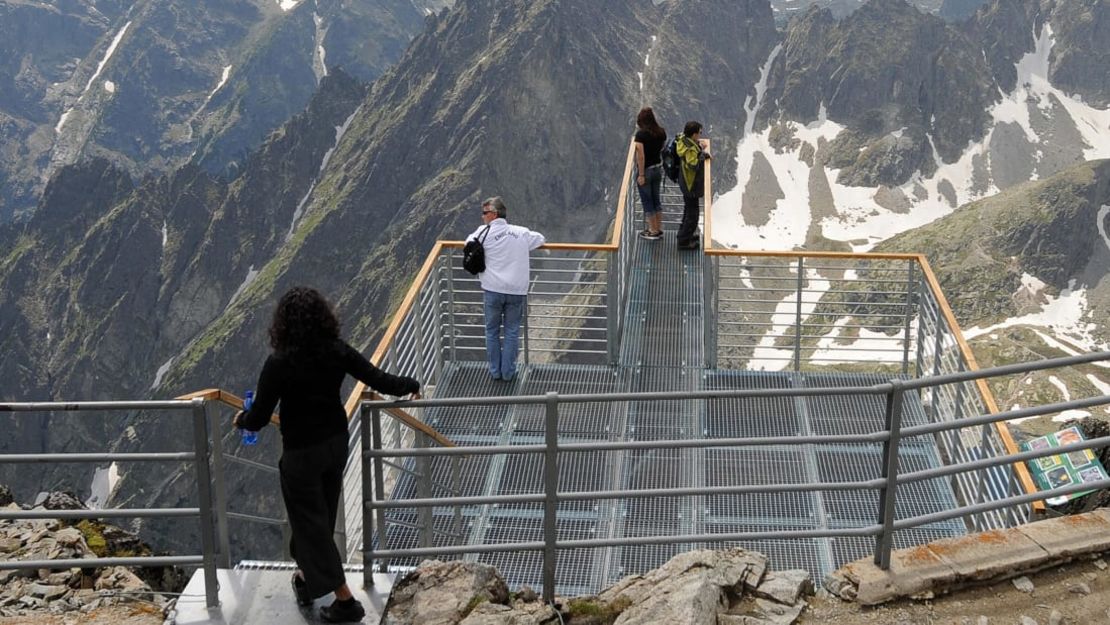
x=507 y=262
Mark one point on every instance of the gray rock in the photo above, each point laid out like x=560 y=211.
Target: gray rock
x=47 y=592
x=1024 y=584
x=765 y=613
x=8 y=545
x=5 y=495
x=1025 y=620
x=1055 y=618
x=442 y=592
x=1101 y=564
x=526 y=594
x=785 y=586
x=689 y=588
x=520 y=613
x=1080 y=588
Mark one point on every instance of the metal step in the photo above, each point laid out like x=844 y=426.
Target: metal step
x=262 y=596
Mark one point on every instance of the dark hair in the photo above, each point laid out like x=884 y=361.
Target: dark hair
x=691 y=129
x=497 y=205
x=303 y=321
x=645 y=120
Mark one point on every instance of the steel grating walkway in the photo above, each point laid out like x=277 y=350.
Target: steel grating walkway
x=662 y=350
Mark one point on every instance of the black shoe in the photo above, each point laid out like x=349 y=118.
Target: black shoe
x=350 y=611
x=300 y=591
x=689 y=245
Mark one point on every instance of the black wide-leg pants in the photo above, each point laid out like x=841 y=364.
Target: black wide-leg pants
x=311 y=484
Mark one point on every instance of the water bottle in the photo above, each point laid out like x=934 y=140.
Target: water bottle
x=249 y=437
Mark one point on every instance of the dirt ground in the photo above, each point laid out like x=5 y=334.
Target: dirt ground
x=1063 y=590
x=136 y=614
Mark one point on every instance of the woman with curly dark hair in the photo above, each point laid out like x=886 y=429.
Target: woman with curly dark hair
x=305 y=373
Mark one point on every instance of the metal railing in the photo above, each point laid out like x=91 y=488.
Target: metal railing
x=199 y=458
x=886 y=483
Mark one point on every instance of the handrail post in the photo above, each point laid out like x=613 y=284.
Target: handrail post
x=220 y=484
x=798 y=317
x=379 y=483
x=888 y=493
x=424 y=490
x=550 y=491
x=920 y=347
x=204 y=487
x=612 y=308
x=909 y=315
x=365 y=443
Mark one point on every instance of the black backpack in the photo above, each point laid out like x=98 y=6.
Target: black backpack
x=669 y=158
x=474 y=255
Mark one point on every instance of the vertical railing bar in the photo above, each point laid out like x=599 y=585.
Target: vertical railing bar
x=366 y=442
x=456 y=486
x=379 y=484
x=451 y=301
x=424 y=490
x=204 y=487
x=612 y=308
x=910 y=279
x=798 y=318
x=219 y=482
x=888 y=493
x=551 y=486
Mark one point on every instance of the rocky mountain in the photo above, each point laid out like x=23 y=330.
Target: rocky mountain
x=152 y=84
x=890 y=118
x=959 y=9
x=1027 y=273
x=533 y=101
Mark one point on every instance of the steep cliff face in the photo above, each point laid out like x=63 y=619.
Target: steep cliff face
x=1079 y=63
x=152 y=84
x=105 y=282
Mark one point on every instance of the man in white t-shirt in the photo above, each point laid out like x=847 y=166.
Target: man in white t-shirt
x=504 y=284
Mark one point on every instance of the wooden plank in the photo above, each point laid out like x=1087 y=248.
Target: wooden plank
x=622 y=197
x=224 y=397
x=1024 y=476
x=578 y=247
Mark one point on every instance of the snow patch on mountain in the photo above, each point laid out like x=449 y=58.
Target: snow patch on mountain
x=1043 y=113
x=103 y=485
x=1065 y=316
x=339 y=132
x=107 y=55
x=319 y=62
x=288 y=5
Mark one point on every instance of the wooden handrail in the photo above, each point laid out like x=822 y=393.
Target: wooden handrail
x=984 y=389
x=622 y=197
x=410 y=420
x=224 y=397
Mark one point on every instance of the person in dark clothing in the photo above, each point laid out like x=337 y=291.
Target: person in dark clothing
x=650 y=138
x=305 y=373
x=692 y=153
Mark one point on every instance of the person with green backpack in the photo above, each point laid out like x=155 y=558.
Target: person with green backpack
x=692 y=151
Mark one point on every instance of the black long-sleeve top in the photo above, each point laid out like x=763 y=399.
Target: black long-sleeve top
x=308 y=388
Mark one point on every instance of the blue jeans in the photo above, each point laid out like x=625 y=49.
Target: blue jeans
x=651 y=197
x=502 y=311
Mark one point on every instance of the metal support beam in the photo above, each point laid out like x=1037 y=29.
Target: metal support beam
x=551 y=487
x=888 y=494
x=204 y=485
